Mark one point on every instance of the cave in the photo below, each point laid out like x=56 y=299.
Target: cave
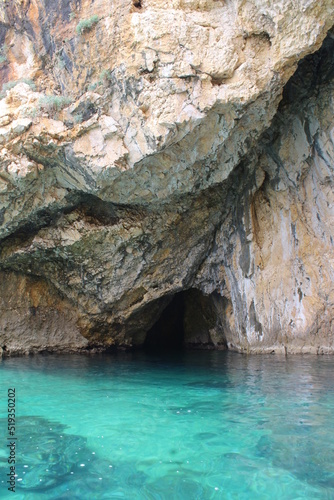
x=168 y=331
x=190 y=320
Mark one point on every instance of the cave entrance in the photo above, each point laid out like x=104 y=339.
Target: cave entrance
x=190 y=320
x=168 y=331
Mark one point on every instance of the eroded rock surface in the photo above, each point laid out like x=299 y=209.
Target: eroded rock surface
x=167 y=160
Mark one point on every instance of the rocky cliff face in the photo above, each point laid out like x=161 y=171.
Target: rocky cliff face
x=166 y=174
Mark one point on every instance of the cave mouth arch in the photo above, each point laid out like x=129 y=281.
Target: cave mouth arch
x=190 y=320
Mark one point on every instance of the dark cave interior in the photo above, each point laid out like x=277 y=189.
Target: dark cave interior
x=168 y=330
x=190 y=320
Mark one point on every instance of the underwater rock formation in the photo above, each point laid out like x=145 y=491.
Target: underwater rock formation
x=50 y=461
x=166 y=175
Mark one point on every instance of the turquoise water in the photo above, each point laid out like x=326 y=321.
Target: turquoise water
x=196 y=425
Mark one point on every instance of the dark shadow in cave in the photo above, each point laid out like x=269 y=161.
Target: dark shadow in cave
x=190 y=320
x=313 y=71
x=168 y=331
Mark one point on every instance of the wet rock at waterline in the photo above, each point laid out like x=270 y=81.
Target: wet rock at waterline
x=167 y=161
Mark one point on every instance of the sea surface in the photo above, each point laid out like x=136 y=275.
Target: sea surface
x=194 y=425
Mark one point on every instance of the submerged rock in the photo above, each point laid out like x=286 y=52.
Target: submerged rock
x=56 y=463
x=174 y=161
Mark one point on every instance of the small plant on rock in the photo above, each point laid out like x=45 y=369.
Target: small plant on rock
x=13 y=83
x=92 y=86
x=78 y=118
x=105 y=77
x=86 y=24
x=32 y=112
x=54 y=103
x=3 y=54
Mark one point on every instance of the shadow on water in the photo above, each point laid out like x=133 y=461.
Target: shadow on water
x=58 y=465
x=54 y=465
x=301 y=456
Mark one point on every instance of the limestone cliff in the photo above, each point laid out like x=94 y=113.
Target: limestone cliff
x=166 y=174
